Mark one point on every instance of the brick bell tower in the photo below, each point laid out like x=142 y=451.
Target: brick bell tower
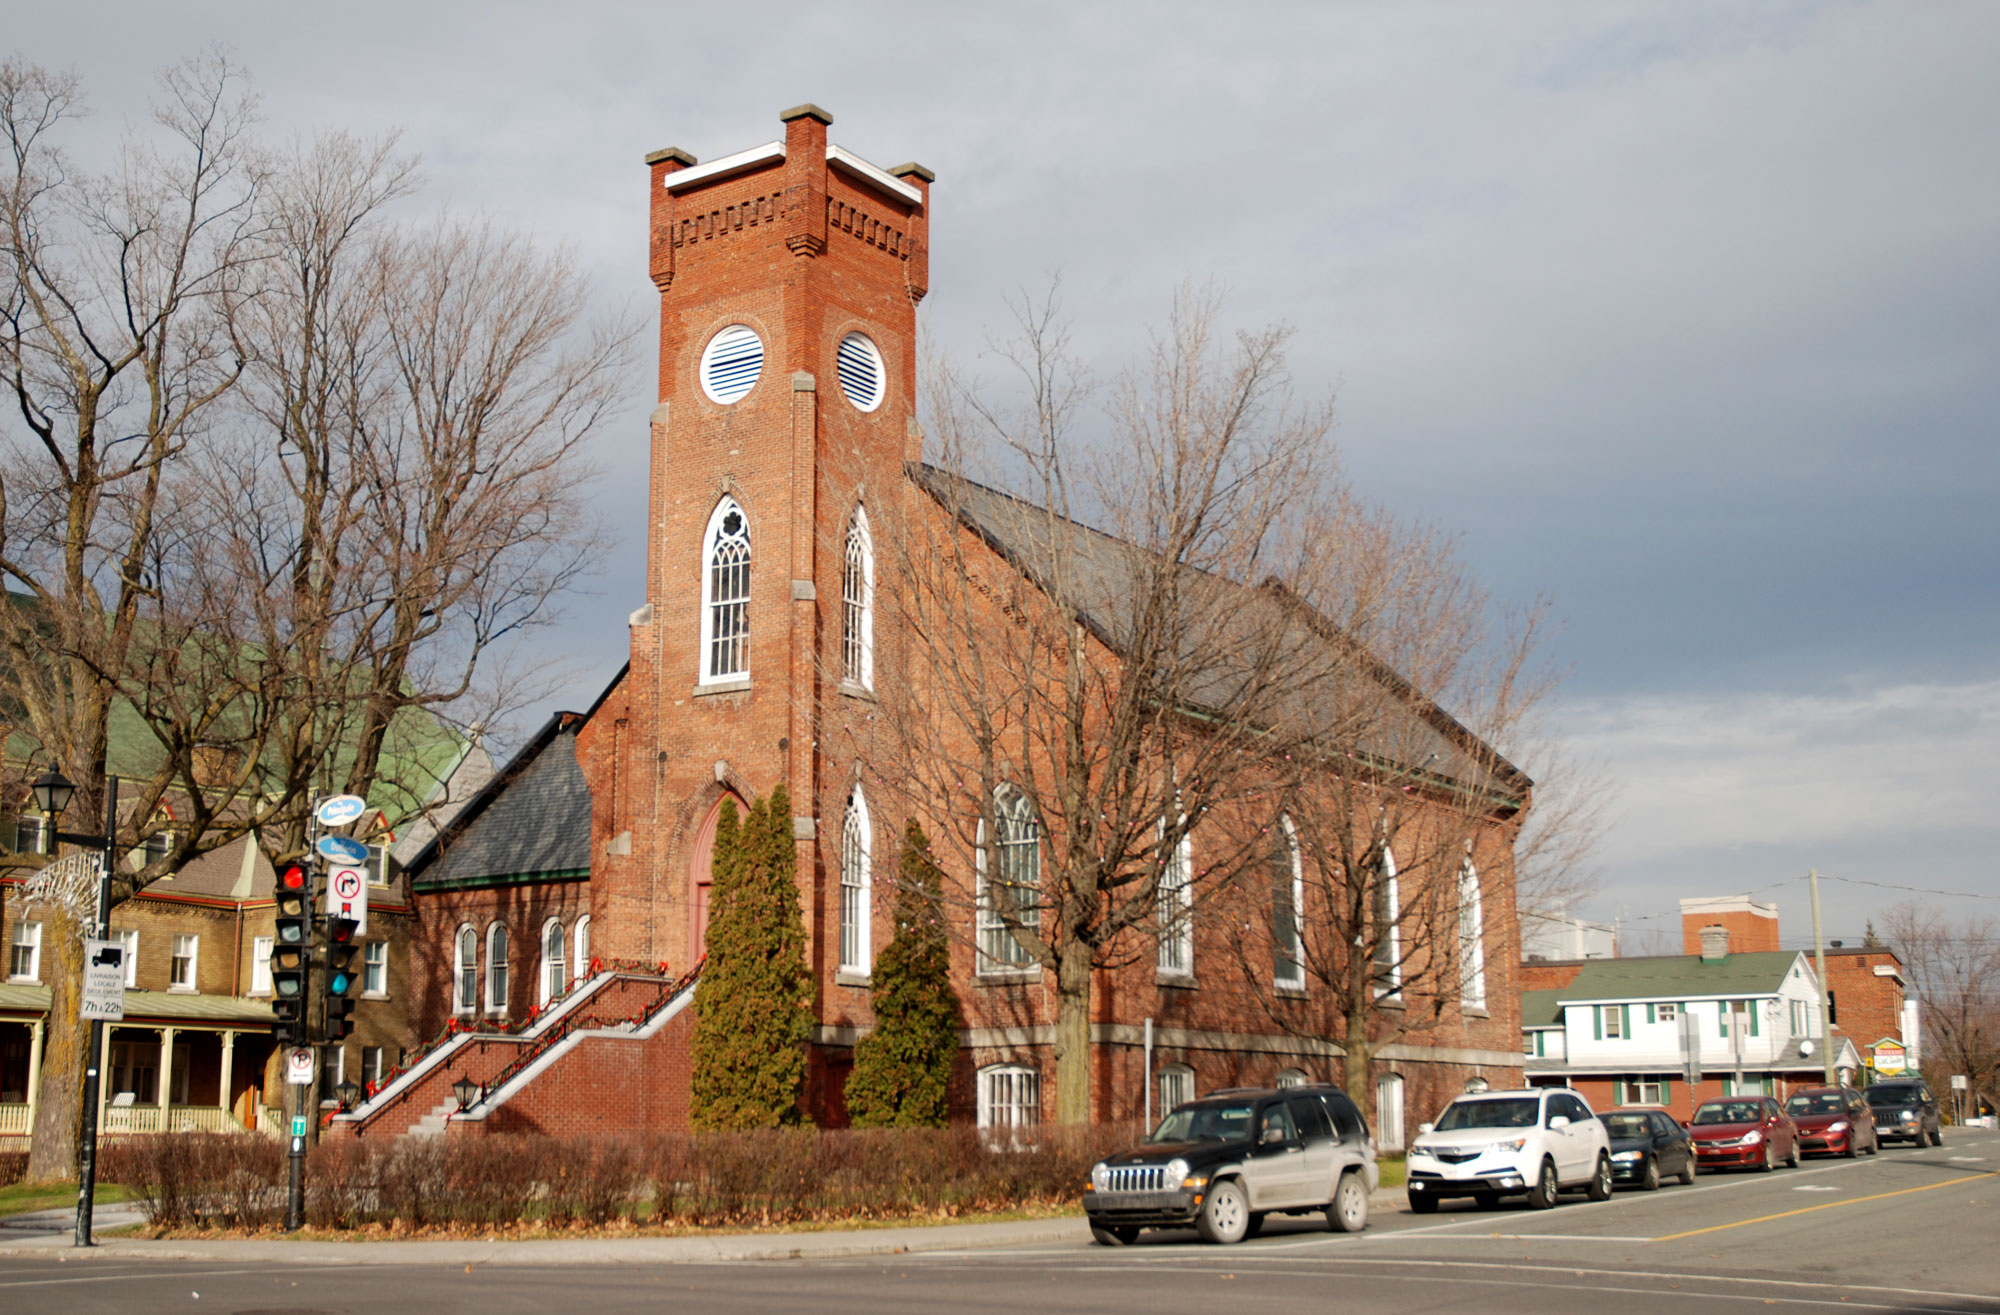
x=789 y=276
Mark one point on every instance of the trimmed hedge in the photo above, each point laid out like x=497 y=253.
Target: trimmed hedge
x=761 y=1176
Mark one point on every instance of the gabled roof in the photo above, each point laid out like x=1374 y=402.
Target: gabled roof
x=531 y=822
x=1100 y=569
x=1679 y=977
x=1541 y=1009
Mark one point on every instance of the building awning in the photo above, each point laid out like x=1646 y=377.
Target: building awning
x=149 y=1006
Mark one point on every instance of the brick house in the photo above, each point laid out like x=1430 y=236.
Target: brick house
x=785 y=436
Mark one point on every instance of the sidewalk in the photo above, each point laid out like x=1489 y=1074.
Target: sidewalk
x=19 y=1236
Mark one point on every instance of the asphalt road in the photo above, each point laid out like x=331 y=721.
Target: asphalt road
x=1909 y=1230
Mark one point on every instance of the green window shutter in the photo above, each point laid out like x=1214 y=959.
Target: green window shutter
x=1649 y=1015
x=1625 y=1021
x=1597 y=1020
x=1618 y=1092
x=1722 y=1017
x=1753 y=1011
x=1666 y=1091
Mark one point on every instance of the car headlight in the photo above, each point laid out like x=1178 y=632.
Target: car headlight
x=1177 y=1171
x=1512 y=1144
x=1629 y=1157
x=1838 y=1125
x=1420 y=1153
x=1909 y=1116
x=1751 y=1138
x=1100 y=1175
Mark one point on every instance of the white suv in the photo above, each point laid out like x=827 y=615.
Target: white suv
x=1504 y=1143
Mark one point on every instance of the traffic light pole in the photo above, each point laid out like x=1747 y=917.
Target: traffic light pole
x=295 y=1179
x=93 y=1078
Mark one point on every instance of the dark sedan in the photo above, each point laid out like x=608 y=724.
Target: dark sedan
x=1648 y=1146
x=1832 y=1121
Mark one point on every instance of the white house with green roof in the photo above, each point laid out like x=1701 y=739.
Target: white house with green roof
x=1621 y=1031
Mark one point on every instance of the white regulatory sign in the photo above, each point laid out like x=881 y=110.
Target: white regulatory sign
x=347 y=896
x=299 y=1066
x=103 y=982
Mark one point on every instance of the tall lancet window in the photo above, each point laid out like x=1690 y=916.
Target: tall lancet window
x=725 y=595
x=857 y=605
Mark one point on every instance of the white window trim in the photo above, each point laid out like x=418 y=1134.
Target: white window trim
x=462 y=1000
x=1471 y=938
x=375 y=954
x=497 y=966
x=710 y=536
x=32 y=943
x=551 y=975
x=858 y=548
x=1175 y=897
x=130 y=940
x=580 y=949
x=1295 y=863
x=1173 y=1076
x=260 y=964
x=989 y=926
x=1007 y=1080
x=193 y=957
x=856 y=886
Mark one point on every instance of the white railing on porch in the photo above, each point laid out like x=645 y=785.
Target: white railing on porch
x=135 y=1120
x=14 y=1120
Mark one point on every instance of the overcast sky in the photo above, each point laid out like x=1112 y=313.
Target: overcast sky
x=1685 y=314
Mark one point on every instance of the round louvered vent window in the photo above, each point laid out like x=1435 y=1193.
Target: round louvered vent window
x=860 y=368
x=731 y=363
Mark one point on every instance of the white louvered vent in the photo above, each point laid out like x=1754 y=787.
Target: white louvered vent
x=860 y=368
x=731 y=363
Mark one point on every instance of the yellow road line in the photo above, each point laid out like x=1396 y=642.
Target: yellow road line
x=1828 y=1205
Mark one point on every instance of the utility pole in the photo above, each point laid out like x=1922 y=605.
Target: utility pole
x=100 y=929
x=1819 y=968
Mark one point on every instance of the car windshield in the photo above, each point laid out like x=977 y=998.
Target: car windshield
x=1520 y=1112
x=1628 y=1125
x=1730 y=1111
x=1824 y=1102
x=1204 y=1123
x=1892 y=1096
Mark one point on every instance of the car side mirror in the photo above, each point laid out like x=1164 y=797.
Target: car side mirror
x=1426 y=1127
x=1558 y=1121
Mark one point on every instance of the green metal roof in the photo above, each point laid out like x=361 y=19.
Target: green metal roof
x=171 y=1005
x=1678 y=977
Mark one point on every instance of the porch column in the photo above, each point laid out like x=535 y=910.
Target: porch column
x=34 y=1069
x=104 y=1076
x=166 y=1076
x=228 y=1065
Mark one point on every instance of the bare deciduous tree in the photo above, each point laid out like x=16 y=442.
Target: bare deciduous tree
x=1954 y=964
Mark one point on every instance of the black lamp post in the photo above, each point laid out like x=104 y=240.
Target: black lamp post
x=52 y=792
x=467 y=1091
x=348 y=1093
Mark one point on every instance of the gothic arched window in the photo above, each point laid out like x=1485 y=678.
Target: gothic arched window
x=857 y=604
x=725 y=595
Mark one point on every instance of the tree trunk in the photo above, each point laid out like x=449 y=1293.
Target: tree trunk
x=1359 y=1059
x=1073 y=1033
x=52 y=1148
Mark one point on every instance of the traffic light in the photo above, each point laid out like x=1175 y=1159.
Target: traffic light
x=291 y=951
x=341 y=970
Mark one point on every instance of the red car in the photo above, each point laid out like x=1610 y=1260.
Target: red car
x=1743 y=1132
x=1832 y=1121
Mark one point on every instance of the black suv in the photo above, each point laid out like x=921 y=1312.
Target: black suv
x=1222 y=1163
x=1905 y=1110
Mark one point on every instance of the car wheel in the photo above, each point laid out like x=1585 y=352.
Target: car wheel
x=1119 y=1236
x=1543 y=1194
x=1792 y=1157
x=1874 y=1144
x=1348 y=1211
x=1687 y=1171
x=1649 y=1175
x=1600 y=1182
x=1937 y=1136
x=1853 y=1145
x=1225 y=1215
x=1769 y=1163
x=1256 y=1224
x=1424 y=1205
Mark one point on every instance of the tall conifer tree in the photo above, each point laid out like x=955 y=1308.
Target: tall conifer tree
x=902 y=1070
x=752 y=1014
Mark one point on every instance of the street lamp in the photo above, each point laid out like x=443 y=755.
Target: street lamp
x=52 y=792
x=348 y=1093
x=467 y=1092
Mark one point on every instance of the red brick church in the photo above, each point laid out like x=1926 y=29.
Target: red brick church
x=561 y=914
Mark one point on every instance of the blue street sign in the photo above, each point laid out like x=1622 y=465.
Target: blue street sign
x=340 y=810
x=342 y=850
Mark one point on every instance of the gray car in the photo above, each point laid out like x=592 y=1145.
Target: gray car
x=1223 y=1163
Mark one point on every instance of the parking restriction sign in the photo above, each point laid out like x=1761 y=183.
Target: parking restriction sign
x=347 y=896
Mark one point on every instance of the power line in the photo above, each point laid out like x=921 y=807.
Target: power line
x=1916 y=890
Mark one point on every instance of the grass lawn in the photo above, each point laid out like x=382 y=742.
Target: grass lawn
x=22 y=1198
x=1392 y=1170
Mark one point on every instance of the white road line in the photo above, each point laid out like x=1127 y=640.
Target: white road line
x=124 y=1277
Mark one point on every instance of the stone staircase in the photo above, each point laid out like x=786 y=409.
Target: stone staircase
x=432 y=1124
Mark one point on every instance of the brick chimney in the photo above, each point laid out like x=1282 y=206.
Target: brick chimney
x=1752 y=924
x=1714 y=944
